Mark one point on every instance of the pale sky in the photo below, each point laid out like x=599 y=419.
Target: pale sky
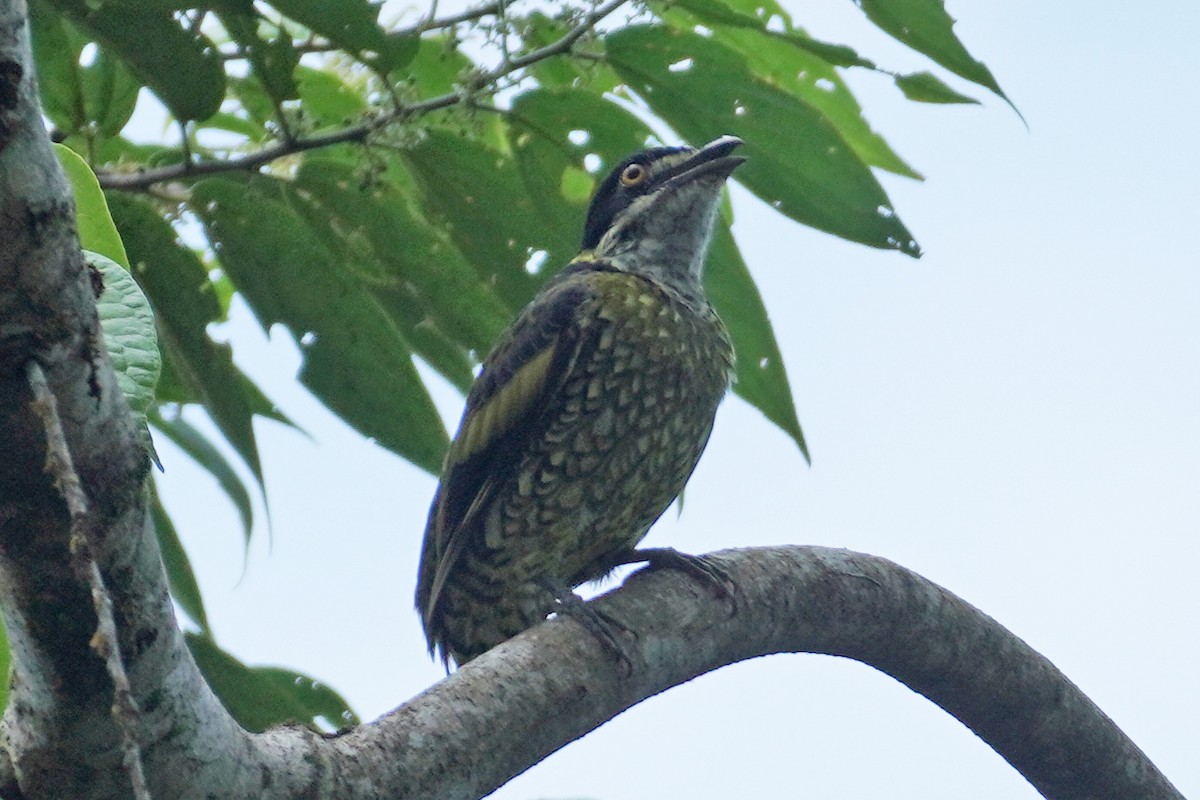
x=1014 y=416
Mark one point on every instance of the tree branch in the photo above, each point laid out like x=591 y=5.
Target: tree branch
x=553 y=684
x=361 y=132
x=58 y=735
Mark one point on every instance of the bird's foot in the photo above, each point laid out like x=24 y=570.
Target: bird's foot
x=603 y=627
x=704 y=569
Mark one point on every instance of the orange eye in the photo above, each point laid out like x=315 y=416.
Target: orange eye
x=633 y=175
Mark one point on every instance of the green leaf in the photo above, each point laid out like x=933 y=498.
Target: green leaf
x=758 y=15
x=205 y=453
x=817 y=84
x=96 y=99
x=272 y=60
x=320 y=702
x=232 y=123
x=793 y=62
x=110 y=93
x=127 y=323
x=180 y=66
x=257 y=104
x=112 y=149
x=477 y=193
x=56 y=53
x=438 y=66
x=183 y=296
x=353 y=26
x=580 y=74
x=259 y=697
x=703 y=88
x=355 y=358
x=925 y=87
x=412 y=268
x=327 y=98
x=180 y=577
x=716 y=12
x=925 y=26
x=761 y=378
x=96 y=229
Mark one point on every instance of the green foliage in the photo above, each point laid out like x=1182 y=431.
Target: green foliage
x=180 y=66
x=128 y=327
x=180 y=578
x=259 y=697
x=925 y=87
x=387 y=198
x=925 y=26
x=97 y=232
x=355 y=358
x=817 y=179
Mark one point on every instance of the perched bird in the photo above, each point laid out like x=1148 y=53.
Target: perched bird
x=590 y=413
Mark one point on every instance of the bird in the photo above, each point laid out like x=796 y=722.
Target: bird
x=589 y=415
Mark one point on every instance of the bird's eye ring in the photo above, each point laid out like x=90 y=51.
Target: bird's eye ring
x=633 y=175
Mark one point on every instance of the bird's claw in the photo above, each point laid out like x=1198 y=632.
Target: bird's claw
x=703 y=568
x=603 y=627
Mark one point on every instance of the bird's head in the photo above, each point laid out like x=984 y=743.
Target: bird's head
x=654 y=213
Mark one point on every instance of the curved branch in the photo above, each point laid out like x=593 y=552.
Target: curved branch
x=554 y=683
x=137 y=181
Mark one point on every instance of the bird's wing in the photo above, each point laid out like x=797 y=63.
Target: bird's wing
x=527 y=366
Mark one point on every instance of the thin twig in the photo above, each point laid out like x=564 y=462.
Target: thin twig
x=61 y=467
x=314 y=45
x=470 y=15
x=137 y=181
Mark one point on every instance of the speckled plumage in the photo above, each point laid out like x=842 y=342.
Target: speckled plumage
x=584 y=425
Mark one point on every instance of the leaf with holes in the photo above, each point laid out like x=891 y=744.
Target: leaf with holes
x=761 y=379
x=476 y=191
x=259 y=697
x=355 y=358
x=413 y=269
x=789 y=61
x=758 y=15
x=554 y=131
x=563 y=141
x=797 y=159
x=925 y=26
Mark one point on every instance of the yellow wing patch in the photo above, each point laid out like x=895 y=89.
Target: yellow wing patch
x=510 y=402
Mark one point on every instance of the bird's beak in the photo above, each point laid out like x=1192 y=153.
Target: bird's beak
x=712 y=159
